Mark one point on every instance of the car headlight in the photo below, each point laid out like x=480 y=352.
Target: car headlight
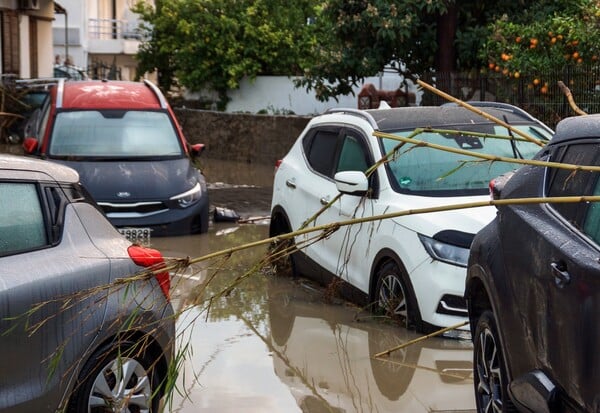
x=188 y=198
x=446 y=252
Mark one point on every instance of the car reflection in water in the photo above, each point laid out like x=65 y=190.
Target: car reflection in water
x=275 y=344
x=325 y=357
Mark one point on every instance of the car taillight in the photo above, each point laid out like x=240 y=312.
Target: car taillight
x=277 y=164
x=494 y=192
x=497 y=184
x=149 y=257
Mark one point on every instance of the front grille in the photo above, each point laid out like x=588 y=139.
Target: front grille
x=132 y=209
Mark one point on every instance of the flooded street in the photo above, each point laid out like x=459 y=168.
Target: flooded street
x=258 y=342
x=253 y=341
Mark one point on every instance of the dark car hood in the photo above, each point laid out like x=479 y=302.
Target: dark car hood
x=136 y=180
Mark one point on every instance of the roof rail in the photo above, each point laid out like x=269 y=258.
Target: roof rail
x=356 y=112
x=161 y=98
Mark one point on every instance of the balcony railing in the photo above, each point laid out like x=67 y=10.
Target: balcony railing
x=111 y=29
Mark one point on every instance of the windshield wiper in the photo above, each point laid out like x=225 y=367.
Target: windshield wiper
x=513 y=144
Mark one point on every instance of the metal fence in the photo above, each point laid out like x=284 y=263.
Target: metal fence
x=537 y=93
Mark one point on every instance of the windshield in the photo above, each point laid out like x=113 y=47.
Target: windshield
x=114 y=134
x=432 y=172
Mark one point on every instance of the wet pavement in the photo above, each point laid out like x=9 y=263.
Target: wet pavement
x=261 y=342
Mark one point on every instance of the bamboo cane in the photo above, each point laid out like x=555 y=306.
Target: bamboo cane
x=493 y=158
x=419 y=339
x=479 y=112
x=331 y=227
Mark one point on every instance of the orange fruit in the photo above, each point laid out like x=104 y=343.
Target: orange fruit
x=544 y=90
x=533 y=41
x=553 y=40
x=517 y=75
x=575 y=55
x=536 y=81
x=518 y=39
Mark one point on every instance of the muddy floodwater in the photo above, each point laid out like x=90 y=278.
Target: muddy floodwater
x=250 y=340
x=255 y=341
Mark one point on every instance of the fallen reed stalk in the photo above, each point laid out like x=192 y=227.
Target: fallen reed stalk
x=478 y=111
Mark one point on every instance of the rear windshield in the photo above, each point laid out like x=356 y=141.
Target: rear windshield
x=114 y=134
x=432 y=172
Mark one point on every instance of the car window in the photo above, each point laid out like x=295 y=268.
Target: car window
x=320 y=151
x=432 y=172
x=591 y=223
x=114 y=134
x=563 y=182
x=352 y=155
x=21 y=219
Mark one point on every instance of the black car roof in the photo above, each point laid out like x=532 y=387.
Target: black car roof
x=439 y=116
x=577 y=127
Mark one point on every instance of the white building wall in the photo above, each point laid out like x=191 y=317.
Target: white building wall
x=76 y=21
x=277 y=94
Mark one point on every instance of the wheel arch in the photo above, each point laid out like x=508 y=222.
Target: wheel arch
x=151 y=345
x=381 y=258
x=279 y=221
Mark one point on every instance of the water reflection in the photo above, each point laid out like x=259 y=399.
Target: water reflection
x=272 y=344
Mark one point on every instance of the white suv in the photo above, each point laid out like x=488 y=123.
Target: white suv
x=412 y=267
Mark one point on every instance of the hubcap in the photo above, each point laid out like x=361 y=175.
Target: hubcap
x=489 y=376
x=122 y=386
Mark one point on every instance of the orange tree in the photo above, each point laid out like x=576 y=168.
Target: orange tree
x=546 y=42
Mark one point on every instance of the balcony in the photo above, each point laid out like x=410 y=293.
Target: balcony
x=110 y=36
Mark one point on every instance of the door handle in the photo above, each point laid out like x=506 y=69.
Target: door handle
x=560 y=273
x=290 y=183
x=324 y=200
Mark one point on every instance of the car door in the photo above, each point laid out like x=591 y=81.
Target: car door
x=344 y=250
x=317 y=189
x=50 y=304
x=556 y=280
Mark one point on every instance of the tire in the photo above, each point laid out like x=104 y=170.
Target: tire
x=101 y=389
x=285 y=264
x=394 y=295
x=204 y=219
x=490 y=377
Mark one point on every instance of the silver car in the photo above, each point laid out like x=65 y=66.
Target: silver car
x=82 y=328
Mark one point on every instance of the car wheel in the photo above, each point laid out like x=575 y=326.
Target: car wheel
x=204 y=220
x=394 y=296
x=491 y=380
x=283 y=264
x=118 y=377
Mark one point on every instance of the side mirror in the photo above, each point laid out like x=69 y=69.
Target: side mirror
x=534 y=392
x=352 y=183
x=196 y=149
x=30 y=145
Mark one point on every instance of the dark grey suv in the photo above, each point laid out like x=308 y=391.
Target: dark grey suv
x=78 y=328
x=533 y=285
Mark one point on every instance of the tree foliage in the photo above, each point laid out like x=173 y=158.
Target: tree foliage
x=333 y=44
x=213 y=44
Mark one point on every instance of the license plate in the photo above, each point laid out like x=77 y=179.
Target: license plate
x=137 y=235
